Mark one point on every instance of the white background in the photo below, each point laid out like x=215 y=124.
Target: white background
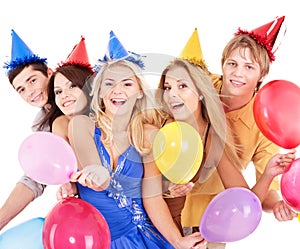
x=52 y=28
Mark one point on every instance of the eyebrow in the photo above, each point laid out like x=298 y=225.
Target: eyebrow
x=177 y=81
x=68 y=82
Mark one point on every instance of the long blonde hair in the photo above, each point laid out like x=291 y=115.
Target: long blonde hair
x=135 y=129
x=212 y=110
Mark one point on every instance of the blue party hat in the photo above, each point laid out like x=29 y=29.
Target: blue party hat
x=21 y=54
x=116 y=51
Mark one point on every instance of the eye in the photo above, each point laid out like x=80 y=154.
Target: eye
x=230 y=63
x=128 y=83
x=108 y=83
x=73 y=85
x=32 y=81
x=166 y=88
x=57 y=92
x=182 y=85
x=21 y=90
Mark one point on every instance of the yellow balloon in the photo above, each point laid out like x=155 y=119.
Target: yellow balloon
x=178 y=152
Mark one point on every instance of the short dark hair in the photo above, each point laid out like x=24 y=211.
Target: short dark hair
x=37 y=66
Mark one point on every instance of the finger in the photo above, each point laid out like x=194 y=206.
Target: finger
x=284 y=213
x=75 y=176
x=59 y=195
x=290 y=213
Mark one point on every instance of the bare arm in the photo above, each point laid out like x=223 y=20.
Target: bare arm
x=273 y=201
x=276 y=166
x=60 y=127
x=81 y=136
x=18 y=199
x=157 y=209
x=231 y=177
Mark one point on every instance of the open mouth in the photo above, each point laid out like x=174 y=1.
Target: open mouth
x=37 y=98
x=68 y=103
x=118 y=102
x=176 y=106
x=237 y=83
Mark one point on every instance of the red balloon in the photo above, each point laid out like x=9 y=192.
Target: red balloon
x=290 y=185
x=75 y=223
x=276 y=111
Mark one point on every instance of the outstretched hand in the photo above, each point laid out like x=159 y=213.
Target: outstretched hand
x=179 y=190
x=93 y=176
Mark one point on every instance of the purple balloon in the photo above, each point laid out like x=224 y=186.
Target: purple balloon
x=231 y=216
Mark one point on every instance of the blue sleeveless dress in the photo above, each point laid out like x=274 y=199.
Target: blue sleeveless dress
x=121 y=203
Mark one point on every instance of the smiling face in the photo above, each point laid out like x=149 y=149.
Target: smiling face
x=241 y=73
x=32 y=86
x=180 y=94
x=119 y=90
x=69 y=97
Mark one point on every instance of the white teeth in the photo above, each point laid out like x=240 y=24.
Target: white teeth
x=175 y=104
x=118 y=101
x=236 y=82
x=36 y=98
x=68 y=103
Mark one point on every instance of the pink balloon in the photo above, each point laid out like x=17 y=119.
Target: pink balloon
x=74 y=223
x=231 y=216
x=276 y=111
x=290 y=185
x=47 y=158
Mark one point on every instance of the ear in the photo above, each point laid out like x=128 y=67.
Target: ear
x=50 y=72
x=140 y=95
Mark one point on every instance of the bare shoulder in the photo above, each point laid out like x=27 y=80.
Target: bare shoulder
x=80 y=126
x=60 y=126
x=80 y=121
x=62 y=120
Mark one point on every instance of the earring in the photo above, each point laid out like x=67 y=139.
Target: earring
x=140 y=96
x=201 y=97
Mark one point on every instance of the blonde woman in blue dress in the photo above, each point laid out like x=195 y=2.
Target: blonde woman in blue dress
x=110 y=138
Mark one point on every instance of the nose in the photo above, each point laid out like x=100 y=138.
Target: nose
x=30 y=89
x=173 y=92
x=117 y=89
x=238 y=71
x=65 y=94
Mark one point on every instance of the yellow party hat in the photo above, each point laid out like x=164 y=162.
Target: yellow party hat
x=192 y=51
